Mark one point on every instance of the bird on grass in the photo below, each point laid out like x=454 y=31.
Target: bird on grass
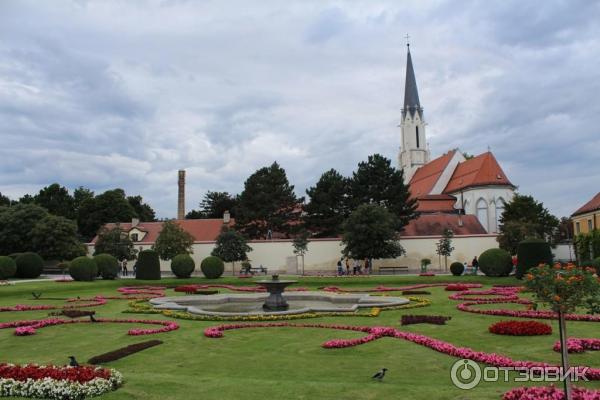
x=36 y=295
x=379 y=375
x=73 y=362
x=92 y=319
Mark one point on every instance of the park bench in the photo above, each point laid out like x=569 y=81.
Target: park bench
x=253 y=270
x=401 y=268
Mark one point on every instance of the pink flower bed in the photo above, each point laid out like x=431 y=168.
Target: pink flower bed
x=467 y=307
x=27 y=328
x=374 y=333
x=579 y=345
x=503 y=293
x=382 y=288
x=549 y=393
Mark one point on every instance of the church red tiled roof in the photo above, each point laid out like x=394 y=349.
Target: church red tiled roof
x=436 y=202
x=478 y=171
x=434 y=224
x=203 y=230
x=592 y=205
x=425 y=177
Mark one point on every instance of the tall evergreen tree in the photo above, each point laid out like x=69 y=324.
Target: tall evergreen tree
x=377 y=182
x=57 y=200
x=268 y=203
x=328 y=205
x=215 y=204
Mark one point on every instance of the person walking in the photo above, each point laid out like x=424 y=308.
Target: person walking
x=356 y=268
x=366 y=266
x=340 y=269
x=475 y=265
x=124 y=267
x=347 y=266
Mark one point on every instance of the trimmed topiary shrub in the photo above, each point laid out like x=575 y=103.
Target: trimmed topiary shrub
x=495 y=262
x=8 y=267
x=108 y=266
x=183 y=265
x=457 y=268
x=29 y=265
x=212 y=267
x=147 y=265
x=83 y=269
x=531 y=253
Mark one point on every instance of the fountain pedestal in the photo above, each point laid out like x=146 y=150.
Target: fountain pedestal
x=275 y=288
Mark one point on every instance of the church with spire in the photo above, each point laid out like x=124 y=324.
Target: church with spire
x=466 y=195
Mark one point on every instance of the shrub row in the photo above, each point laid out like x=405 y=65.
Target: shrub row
x=424 y=319
x=520 y=328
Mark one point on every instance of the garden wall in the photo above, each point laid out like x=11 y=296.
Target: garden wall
x=322 y=255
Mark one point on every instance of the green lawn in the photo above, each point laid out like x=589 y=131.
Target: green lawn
x=278 y=363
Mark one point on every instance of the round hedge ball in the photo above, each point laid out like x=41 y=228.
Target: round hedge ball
x=29 y=265
x=108 y=266
x=183 y=265
x=8 y=267
x=457 y=268
x=83 y=269
x=495 y=262
x=212 y=267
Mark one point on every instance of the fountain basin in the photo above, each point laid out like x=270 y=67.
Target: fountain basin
x=244 y=304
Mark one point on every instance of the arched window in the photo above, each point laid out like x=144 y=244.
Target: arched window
x=499 y=211
x=482 y=213
x=417 y=128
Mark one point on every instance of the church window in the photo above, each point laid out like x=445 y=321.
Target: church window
x=499 y=210
x=134 y=237
x=417 y=137
x=482 y=213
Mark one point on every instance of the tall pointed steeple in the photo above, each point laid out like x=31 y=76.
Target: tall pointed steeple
x=411 y=93
x=413 y=151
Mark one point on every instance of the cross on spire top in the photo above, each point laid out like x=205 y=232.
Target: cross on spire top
x=407 y=40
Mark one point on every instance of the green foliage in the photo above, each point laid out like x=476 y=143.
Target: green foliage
x=214 y=205
x=523 y=218
x=457 y=268
x=183 y=265
x=563 y=289
x=444 y=245
x=377 y=182
x=425 y=262
x=4 y=201
x=212 y=267
x=29 y=265
x=56 y=238
x=173 y=240
x=328 y=205
x=531 y=253
x=231 y=246
x=370 y=232
x=596 y=265
x=587 y=245
x=110 y=206
x=8 y=267
x=301 y=243
x=57 y=200
x=148 y=265
x=495 y=262
x=83 y=269
x=16 y=226
x=143 y=211
x=267 y=203
x=116 y=242
x=108 y=266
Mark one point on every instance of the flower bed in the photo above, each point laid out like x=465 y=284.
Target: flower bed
x=424 y=319
x=579 y=345
x=33 y=325
x=467 y=307
x=549 y=393
x=374 y=333
x=123 y=352
x=93 y=302
x=503 y=293
x=459 y=287
x=54 y=382
x=520 y=328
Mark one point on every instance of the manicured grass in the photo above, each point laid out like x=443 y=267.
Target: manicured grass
x=279 y=363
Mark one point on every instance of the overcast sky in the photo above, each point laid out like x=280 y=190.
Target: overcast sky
x=109 y=94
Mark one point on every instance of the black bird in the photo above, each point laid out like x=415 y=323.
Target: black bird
x=73 y=362
x=379 y=376
x=92 y=319
x=36 y=295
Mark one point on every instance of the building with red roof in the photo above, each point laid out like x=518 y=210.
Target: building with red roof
x=449 y=184
x=587 y=217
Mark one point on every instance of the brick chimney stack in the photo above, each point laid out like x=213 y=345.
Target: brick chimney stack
x=181 y=195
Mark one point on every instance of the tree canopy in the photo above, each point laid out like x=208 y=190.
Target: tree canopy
x=110 y=206
x=4 y=201
x=55 y=238
x=215 y=204
x=231 y=246
x=143 y=211
x=370 y=232
x=173 y=240
x=524 y=217
x=328 y=205
x=267 y=203
x=57 y=200
x=16 y=226
x=377 y=182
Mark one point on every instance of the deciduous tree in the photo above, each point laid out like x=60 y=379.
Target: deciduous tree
x=56 y=238
x=231 y=246
x=116 y=242
x=173 y=240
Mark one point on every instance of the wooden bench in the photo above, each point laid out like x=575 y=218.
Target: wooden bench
x=401 y=268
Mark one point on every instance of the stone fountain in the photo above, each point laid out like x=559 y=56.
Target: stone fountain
x=275 y=287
